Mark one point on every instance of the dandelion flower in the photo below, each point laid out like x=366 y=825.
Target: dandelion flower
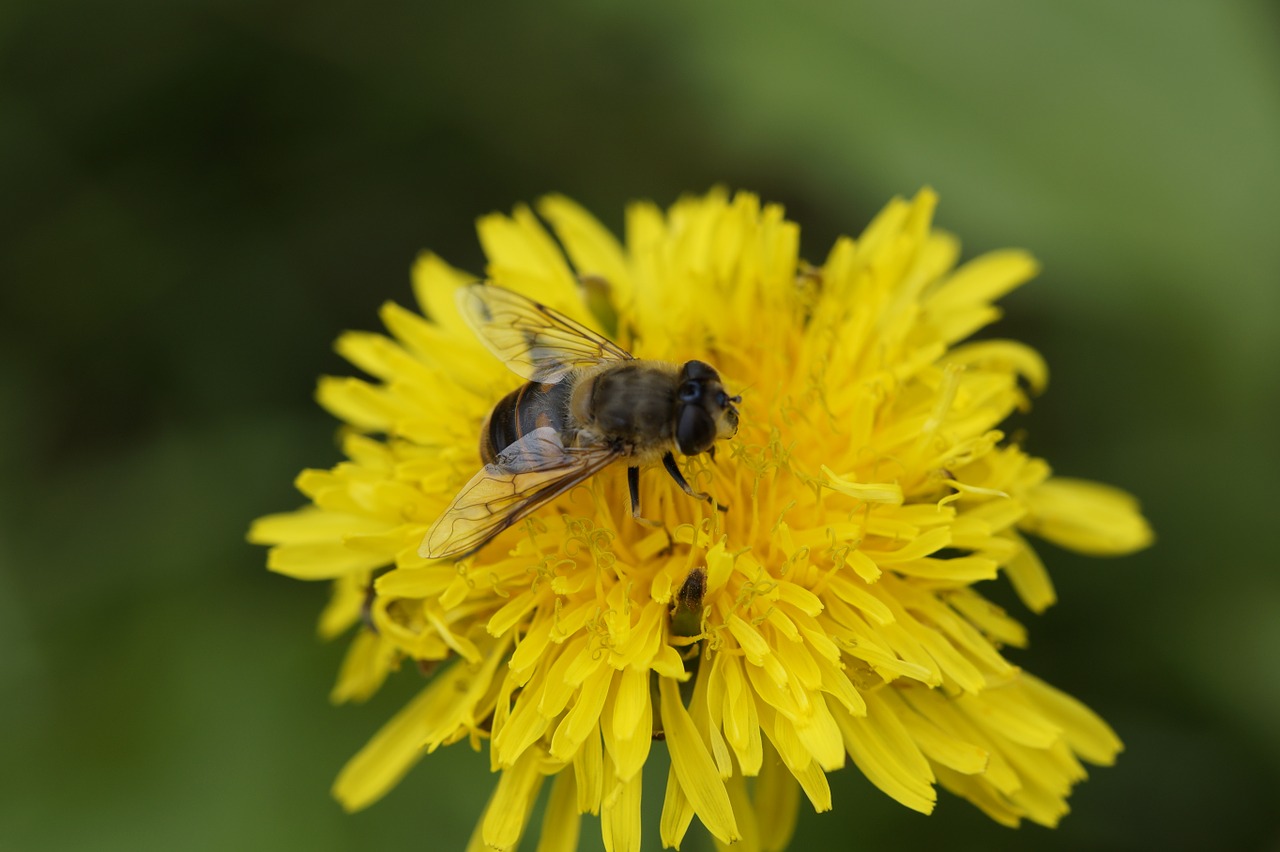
x=829 y=616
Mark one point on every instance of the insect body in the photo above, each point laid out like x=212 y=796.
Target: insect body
x=686 y=611
x=587 y=404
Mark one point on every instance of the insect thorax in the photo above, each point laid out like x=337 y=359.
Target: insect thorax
x=632 y=403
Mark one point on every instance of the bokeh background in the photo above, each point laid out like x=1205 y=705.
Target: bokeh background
x=197 y=197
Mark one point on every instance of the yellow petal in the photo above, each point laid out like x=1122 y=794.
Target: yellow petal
x=1087 y=516
x=357 y=402
x=940 y=746
x=1029 y=578
x=448 y=346
x=620 y=817
x=508 y=811
x=523 y=257
x=777 y=803
x=377 y=767
x=416 y=583
x=694 y=767
x=368 y=662
x=852 y=592
x=982 y=280
x=346 y=602
x=322 y=561
x=752 y=642
x=677 y=812
x=627 y=722
x=739 y=718
x=962 y=569
x=1086 y=733
x=983 y=796
x=583 y=718
x=867 y=492
x=309 y=526
x=512 y=612
x=747 y=825
x=524 y=727
x=1026 y=728
x=434 y=283
x=1004 y=356
x=984 y=615
x=885 y=753
x=532 y=646
x=922 y=545
x=382 y=358
x=588 y=773
x=561 y=823
x=593 y=250
x=821 y=736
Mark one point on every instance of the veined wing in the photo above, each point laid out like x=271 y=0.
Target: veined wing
x=532 y=471
x=538 y=343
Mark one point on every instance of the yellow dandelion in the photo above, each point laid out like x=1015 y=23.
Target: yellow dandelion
x=828 y=614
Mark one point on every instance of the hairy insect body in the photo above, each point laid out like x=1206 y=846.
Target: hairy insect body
x=586 y=404
x=629 y=406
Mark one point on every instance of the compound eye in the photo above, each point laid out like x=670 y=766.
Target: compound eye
x=690 y=391
x=695 y=430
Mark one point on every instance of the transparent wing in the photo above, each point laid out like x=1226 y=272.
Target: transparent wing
x=538 y=343
x=535 y=469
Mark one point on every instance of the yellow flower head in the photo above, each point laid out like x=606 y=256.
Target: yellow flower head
x=827 y=615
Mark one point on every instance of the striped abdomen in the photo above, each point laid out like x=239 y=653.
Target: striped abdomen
x=526 y=408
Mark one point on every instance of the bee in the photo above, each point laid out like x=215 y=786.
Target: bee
x=587 y=403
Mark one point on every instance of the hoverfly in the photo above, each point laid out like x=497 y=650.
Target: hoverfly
x=587 y=403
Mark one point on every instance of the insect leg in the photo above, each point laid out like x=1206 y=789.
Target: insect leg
x=669 y=462
x=633 y=485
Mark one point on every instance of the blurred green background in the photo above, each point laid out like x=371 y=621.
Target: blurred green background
x=197 y=197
